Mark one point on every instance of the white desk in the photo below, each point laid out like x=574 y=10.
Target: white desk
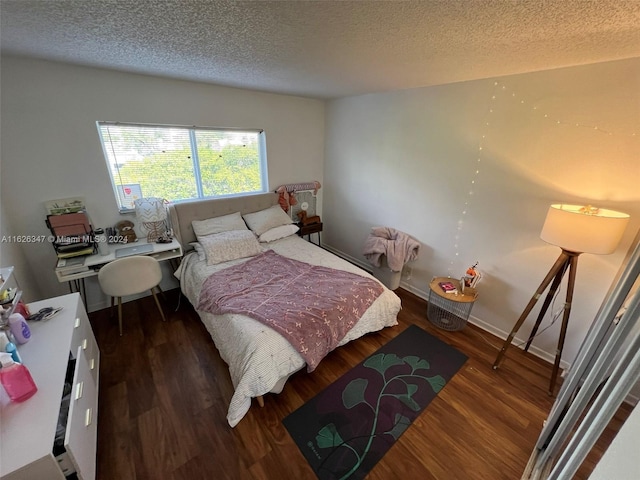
x=75 y=275
x=28 y=429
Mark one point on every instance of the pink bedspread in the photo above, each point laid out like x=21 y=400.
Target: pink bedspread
x=313 y=307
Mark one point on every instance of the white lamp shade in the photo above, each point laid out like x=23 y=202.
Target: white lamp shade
x=584 y=229
x=150 y=209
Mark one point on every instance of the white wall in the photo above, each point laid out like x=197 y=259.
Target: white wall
x=50 y=147
x=11 y=255
x=620 y=461
x=408 y=160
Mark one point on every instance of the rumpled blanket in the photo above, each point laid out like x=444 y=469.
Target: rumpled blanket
x=397 y=246
x=313 y=307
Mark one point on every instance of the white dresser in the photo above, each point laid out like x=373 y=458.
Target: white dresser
x=28 y=429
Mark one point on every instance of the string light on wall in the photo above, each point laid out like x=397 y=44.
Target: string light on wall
x=560 y=121
x=472 y=185
x=502 y=92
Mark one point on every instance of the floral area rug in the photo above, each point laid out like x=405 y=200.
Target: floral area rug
x=348 y=427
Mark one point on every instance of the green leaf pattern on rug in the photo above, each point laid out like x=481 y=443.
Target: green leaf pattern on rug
x=417 y=363
x=400 y=425
x=407 y=400
x=382 y=362
x=329 y=437
x=354 y=394
x=437 y=383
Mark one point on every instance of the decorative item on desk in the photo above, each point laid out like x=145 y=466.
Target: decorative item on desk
x=126 y=233
x=471 y=277
x=152 y=213
x=8 y=295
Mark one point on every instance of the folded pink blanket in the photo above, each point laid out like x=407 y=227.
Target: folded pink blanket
x=313 y=307
x=397 y=246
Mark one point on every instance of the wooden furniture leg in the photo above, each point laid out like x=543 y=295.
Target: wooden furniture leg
x=155 y=297
x=545 y=306
x=558 y=266
x=565 y=321
x=120 y=314
x=566 y=260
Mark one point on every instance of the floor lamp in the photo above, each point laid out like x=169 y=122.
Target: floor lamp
x=575 y=229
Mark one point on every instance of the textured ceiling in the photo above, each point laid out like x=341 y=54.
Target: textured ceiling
x=323 y=49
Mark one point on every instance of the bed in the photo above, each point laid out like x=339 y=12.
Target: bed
x=260 y=359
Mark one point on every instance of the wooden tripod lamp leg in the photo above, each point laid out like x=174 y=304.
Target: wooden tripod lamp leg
x=559 y=266
x=573 y=266
x=547 y=301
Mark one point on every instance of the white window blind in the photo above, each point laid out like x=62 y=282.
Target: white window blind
x=179 y=163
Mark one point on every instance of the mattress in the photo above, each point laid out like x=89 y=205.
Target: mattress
x=260 y=360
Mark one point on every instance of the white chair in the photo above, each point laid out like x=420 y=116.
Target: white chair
x=129 y=276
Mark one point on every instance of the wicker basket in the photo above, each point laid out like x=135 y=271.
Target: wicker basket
x=449 y=311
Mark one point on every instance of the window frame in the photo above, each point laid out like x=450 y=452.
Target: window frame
x=192 y=133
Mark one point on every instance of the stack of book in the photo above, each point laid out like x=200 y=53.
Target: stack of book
x=71 y=265
x=73 y=234
x=448 y=287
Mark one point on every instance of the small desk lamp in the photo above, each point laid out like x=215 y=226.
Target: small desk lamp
x=152 y=214
x=575 y=229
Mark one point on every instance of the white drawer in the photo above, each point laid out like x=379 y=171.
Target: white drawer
x=82 y=425
x=83 y=337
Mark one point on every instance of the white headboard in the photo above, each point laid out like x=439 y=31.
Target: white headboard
x=182 y=214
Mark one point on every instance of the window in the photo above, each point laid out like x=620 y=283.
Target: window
x=180 y=163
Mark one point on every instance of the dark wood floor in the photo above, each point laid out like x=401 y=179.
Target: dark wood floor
x=164 y=393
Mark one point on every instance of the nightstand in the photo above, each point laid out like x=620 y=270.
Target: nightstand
x=449 y=311
x=307 y=230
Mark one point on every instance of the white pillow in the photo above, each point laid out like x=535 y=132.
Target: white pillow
x=225 y=246
x=267 y=219
x=199 y=250
x=225 y=223
x=278 y=232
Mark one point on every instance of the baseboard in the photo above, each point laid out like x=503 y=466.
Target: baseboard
x=478 y=322
x=356 y=261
